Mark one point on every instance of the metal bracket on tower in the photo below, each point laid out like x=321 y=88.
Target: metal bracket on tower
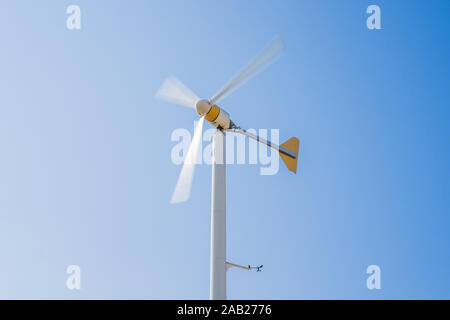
x=249 y=267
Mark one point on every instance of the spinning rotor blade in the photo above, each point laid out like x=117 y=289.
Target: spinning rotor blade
x=268 y=55
x=174 y=91
x=183 y=188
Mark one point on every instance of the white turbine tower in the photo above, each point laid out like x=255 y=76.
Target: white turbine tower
x=173 y=90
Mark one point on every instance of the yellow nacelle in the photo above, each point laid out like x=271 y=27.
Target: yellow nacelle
x=215 y=115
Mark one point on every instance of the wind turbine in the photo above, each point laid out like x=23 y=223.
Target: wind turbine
x=174 y=91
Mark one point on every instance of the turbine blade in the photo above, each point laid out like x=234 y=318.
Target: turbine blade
x=182 y=190
x=173 y=90
x=268 y=55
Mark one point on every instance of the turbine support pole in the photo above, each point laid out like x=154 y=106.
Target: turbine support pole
x=218 y=266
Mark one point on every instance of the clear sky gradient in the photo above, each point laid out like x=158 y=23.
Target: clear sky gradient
x=86 y=174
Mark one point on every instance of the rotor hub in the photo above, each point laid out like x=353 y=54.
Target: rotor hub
x=203 y=106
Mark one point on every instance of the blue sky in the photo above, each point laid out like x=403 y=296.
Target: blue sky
x=86 y=175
